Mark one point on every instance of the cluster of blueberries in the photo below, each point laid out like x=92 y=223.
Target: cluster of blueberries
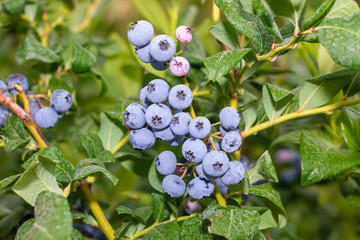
x=160 y=50
x=44 y=117
x=160 y=117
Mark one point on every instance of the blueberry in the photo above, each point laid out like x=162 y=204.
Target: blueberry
x=224 y=131
x=246 y=162
x=3 y=85
x=179 y=139
x=180 y=123
x=166 y=162
x=229 y=118
x=18 y=79
x=61 y=100
x=231 y=142
x=162 y=48
x=199 y=127
x=285 y=156
x=4 y=111
x=200 y=172
x=157 y=91
x=180 y=96
x=222 y=187
x=183 y=34
x=210 y=146
x=194 y=150
x=134 y=116
x=141 y=138
x=215 y=163
x=46 y=117
x=140 y=33
x=158 y=116
x=173 y=186
x=34 y=106
x=179 y=66
x=173 y=110
x=200 y=188
x=143 y=53
x=160 y=66
x=143 y=99
x=164 y=134
x=235 y=173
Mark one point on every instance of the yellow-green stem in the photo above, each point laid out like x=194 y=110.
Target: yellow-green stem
x=278 y=49
x=96 y=210
x=201 y=93
x=215 y=13
x=219 y=198
x=148 y=229
x=121 y=143
x=299 y=114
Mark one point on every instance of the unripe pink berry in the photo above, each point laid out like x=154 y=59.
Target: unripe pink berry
x=183 y=34
x=179 y=66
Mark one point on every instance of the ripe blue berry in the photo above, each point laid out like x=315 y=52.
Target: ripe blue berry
x=200 y=188
x=143 y=53
x=18 y=79
x=215 y=163
x=183 y=34
x=194 y=150
x=231 y=142
x=179 y=139
x=235 y=173
x=158 y=116
x=3 y=85
x=180 y=96
x=141 y=138
x=61 y=100
x=179 y=66
x=229 y=118
x=166 y=163
x=162 y=48
x=34 y=106
x=224 y=131
x=140 y=33
x=200 y=172
x=134 y=116
x=199 y=127
x=143 y=99
x=158 y=65
x=157 y=91
x=164 y=134
x=180 y=123
x=46 y=117
x=222 y=187
x=4 y=111
x=173 y=186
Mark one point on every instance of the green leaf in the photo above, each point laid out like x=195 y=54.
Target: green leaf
x=321 y=89
x=350 y=189
x=82 y=59
x=24 y=229
x=160 y=208
x=135 y=162
x=263 y=168
x=249 y=115
x=83 y=172
x=165 y=231
x=110 y=133
x=319 y=14
x=195 y=52
x=89 y=161
x=320 y=161
x=38 y=177
x=9 y=221
x=263 y=12
x=247 y=24
x=144 y=212
x=194 y=228
x=343 y=8
x=267 y=220
x=225 y=33
x=76 y=235
x=106 y=156
x=31 y=49
x=122 y=229
x=16 y=135
x=276 y=100
x=121 y=209
x=159 y=20
x=267 y=191
x=92 y=144
x=221 y=63
x=340 y=37
x=355 y=123
x=7 y=181
x=52 y=218
x=155 y=178
x=232 y=222
x=14 y=6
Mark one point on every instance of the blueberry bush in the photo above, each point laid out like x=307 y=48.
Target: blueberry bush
x=224 y=119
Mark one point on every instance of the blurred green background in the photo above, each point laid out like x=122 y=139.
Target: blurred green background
x=315 y=212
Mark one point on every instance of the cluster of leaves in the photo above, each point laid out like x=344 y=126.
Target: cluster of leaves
x=58 y=44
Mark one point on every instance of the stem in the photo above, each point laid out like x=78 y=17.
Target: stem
x=215 y=13
x=96 y=210
x=307 y=60
x=300 y=114
x=201 y=93
x=219 y=198
x=121 y=143
x=146 y=230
